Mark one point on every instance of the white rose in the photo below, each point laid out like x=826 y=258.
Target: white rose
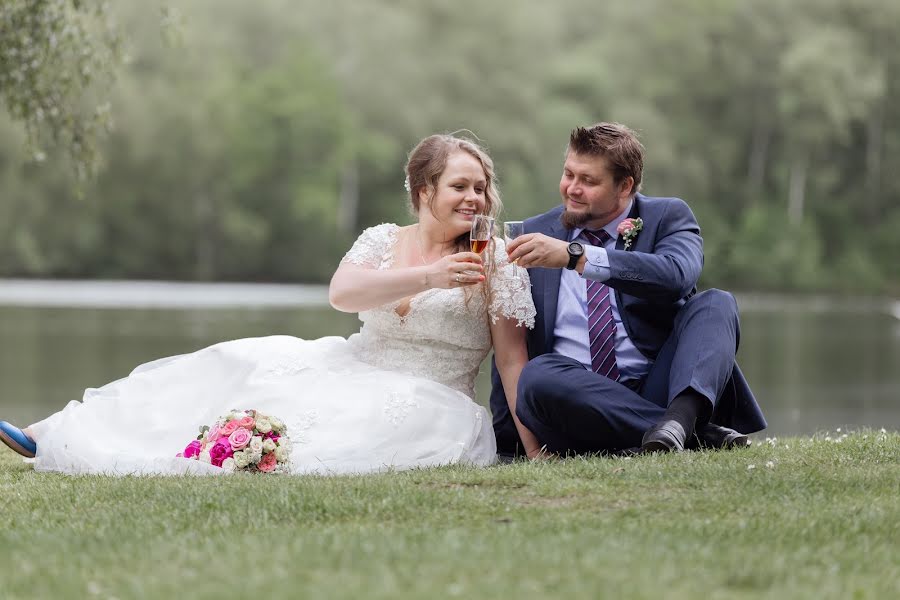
x=241 y=459
x=228 y=464
x=255 y=457
x=282 y=454
x=205 y=457
x=268 y=445
x=277 y=424
x=256 y=444
x=284 y=442
x=264 y=426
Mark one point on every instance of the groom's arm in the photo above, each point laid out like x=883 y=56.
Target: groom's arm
x=667 y=270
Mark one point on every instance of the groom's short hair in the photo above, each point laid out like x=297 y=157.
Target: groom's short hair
x=617 y=143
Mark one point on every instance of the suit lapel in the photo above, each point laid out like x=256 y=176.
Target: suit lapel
x=551 y=287
x=634 y=213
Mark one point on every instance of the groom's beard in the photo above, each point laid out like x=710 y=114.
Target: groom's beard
x=574 y=220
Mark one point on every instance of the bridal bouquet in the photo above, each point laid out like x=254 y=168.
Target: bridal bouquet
x=243 y=440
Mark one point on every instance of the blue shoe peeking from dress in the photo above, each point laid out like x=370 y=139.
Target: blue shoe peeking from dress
x=16 y=439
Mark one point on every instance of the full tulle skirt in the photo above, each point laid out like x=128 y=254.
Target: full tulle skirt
x=343 y=415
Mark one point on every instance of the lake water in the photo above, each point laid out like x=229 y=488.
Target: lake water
x=814 y=365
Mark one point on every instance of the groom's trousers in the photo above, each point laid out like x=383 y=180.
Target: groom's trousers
x=572 y=409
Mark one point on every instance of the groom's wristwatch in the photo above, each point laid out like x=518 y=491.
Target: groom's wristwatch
x=576 y=251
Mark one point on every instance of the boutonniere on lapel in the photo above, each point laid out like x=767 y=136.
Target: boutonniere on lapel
x=628 y=229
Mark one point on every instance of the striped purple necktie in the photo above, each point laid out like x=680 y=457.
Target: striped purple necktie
x=601 y=325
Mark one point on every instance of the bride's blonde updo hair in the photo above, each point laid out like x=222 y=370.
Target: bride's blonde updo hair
x=424 y=167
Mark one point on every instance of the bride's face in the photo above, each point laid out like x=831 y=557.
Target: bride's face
x=459 y=195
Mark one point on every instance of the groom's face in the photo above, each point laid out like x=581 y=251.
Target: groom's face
x=590 y=195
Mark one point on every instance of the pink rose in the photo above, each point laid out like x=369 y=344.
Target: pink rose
x=193 y=449
x=247 y=423
x=229 y=428
x=240 y=438
x=219 y=453
x=214 y=433
x=625 y=226
x=268 y=463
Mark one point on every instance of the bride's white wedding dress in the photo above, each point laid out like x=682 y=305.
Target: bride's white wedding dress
x=396 y=395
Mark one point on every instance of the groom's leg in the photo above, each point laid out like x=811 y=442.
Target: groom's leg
x=698 y=358
x=572 y=409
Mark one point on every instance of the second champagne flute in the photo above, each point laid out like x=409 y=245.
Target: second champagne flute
x=512 y=230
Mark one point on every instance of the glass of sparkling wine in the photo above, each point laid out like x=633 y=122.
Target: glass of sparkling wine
x=512 y=230
x=482 y=229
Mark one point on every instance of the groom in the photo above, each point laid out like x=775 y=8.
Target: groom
x=625 y=352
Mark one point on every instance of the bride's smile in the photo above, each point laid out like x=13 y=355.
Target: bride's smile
x=459 y=196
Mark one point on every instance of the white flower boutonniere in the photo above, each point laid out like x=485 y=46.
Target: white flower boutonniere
x=629 y=229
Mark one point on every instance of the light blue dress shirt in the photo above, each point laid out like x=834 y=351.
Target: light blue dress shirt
x=571 y=327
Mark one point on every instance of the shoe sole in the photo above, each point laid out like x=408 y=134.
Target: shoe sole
x=656 y=446
x=741 y=441
x=14 y=445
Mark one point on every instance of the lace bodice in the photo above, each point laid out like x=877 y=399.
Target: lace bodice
x=442 y=337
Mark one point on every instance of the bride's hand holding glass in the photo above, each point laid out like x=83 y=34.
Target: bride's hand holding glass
x=457 y=270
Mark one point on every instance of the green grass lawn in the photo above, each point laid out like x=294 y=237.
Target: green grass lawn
x=796 y=518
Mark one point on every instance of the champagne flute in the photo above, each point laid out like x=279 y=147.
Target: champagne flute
x=512 y=230
x=482 y=228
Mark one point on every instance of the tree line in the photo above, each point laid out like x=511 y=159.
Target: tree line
x=254 y=142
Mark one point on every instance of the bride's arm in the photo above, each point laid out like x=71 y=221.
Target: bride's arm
x=355 y=288
x=510 y=356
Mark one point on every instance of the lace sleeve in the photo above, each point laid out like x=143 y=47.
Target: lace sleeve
x=374 y=247
x=510 y=290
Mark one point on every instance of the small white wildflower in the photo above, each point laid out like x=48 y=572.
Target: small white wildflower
x=838 y=430
x=751 y=467
x=787 y=447
x=883 y=430
x=770 y=465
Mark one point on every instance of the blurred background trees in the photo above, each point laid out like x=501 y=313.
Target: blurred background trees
x=254 y=142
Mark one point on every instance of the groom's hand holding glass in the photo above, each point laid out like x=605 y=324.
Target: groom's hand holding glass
x=539 y=250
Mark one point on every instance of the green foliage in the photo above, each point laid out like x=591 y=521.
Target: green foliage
x=53 y=55
x=254 y=142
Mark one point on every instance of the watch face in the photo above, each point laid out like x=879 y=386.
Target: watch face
x=576 y=248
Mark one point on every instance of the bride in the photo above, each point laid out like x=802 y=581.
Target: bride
x=397 y=395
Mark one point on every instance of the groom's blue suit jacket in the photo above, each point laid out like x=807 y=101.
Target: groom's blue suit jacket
x=651 y=281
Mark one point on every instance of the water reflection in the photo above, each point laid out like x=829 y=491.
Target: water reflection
x=810 y=370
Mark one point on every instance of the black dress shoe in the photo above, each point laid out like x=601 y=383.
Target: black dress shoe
x=717 y=437
x=664 y=437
